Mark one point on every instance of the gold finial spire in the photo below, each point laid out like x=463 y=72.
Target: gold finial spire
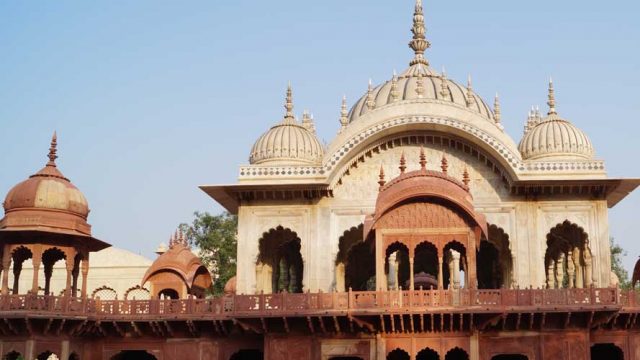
x=403 y=163
x=371 y=101
x=470 y=98
x=288 y=116
x=496 y=109
x=53 y=150
x=381 y=181
x=344 y=120
x=394 y=87
x=552 y=99
x=419 y=42
x=423 y=159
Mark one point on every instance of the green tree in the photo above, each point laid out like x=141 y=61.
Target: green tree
x=617 y=254
x=215 y=238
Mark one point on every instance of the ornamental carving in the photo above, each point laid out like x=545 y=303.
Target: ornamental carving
x=421 y=215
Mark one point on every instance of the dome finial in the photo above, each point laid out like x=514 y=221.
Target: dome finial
x=403 y=163
x=496 y=109
x=552 y=99
x=288 y=116
x=344 y=120
x=371 y=101
x=444 y=163
x=419 y=42
x=423 y=159
x=395 y=94
x=470 y=98
x=53 y=150
x=444 y=88
x=381 y=180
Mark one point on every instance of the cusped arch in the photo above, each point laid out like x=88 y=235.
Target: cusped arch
x=427 y=354
x=104 y=292
x=398 y=354
x=137 y=293
x=456 y=353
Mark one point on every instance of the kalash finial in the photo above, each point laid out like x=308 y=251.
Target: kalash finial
x=444 y=163
x=289 y=118
x=419 y=42
x=470 y=98
x=423 y=159
x=496 y=109
x=53 y=150
x=465 y=177
x=344 y=120
x=552 y=99
x=403 y=164
x=381 y=181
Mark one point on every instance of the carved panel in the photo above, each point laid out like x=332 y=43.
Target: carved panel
x=421 y=215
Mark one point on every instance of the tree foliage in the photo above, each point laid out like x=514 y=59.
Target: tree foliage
x=617 y=254
x=215 y=238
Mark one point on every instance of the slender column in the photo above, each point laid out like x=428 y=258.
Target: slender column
x=381 y=279
x=70 y=263
x=578 y=266
x=440 y=279
x=550 y=282
x=560 y=271
x=6 y=266
x=340 y=278
x=37 y=260
x=588 y=265
x=411 y=285
x=85 y=273
x=570 y=269
x=456 y=269
x=449 y=261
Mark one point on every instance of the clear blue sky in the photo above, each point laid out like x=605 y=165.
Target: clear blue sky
x=152 y=98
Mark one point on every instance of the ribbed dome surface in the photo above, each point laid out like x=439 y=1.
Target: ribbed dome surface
x=406 y=86
x=288 y=143
x=555 y=138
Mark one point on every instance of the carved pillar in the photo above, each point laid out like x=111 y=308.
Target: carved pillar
x=560 y=271
x=6 y=265
x=381 y=279
x=456 y=269
x=570 y=269
x=36 y=260
x=85 y=273
x=440 y=279
x=411 y=285
x=471 y=258
x=449 y=261
x=340 y=278
x=578 y=266
x=588 y=266
x=551 y=284
x=70 y=262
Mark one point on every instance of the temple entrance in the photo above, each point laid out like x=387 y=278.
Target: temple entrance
x=568 y=257
x=133 y=355
x=398 y=354
x=510 y=357
x=606 y=352
x=427 y=354
x=251 y=354
x=456 y=354
x=279 y=267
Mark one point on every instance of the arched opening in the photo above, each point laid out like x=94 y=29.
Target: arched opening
x=360 y=269
x=495 y=264
x=49 y=258
x=456 y=354
x=104 y=293
x=354 y=262
x=398 y=354
x=568 y=257
x=510 y=357
x=455 y=266
x=47 y=355
x=279 y=266
x=425 y=266
x=13 y=355
x=133 y=355
x=201 y=282
x=18 y=257
x=250 y=354
x=397 y=265
x=168 y=294
x=137 y=293
x=427 y=354
x=606 y=351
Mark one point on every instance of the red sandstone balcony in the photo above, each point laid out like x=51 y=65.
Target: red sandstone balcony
x=327 y=304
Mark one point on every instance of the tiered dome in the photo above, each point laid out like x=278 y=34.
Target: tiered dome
x=46 y=200
x=554 y=138
x=287 y=142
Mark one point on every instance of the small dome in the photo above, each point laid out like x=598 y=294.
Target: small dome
x=46 y=199
x=407 y=87
x=554 y=138
x=287 y=142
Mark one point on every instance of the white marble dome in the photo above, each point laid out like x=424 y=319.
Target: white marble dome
x=555 y=138
x=287 y=143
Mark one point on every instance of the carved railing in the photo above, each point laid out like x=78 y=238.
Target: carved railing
x=365 y=302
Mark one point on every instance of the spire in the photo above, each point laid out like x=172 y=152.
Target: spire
x=552 y=99
x=496 y=109
x=371 y=101
x=470 y=98
x=444 y=163
x=381 y=181
x=307 y=121
x=344 y=120
x=423 y=159
x=394 y=87
x=53 y=150
x=403 y=163
x=419 y=42
x=444 y=88
x=465 y=177
x=289 y=118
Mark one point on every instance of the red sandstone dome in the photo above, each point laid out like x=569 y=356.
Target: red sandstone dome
x=48 y=202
